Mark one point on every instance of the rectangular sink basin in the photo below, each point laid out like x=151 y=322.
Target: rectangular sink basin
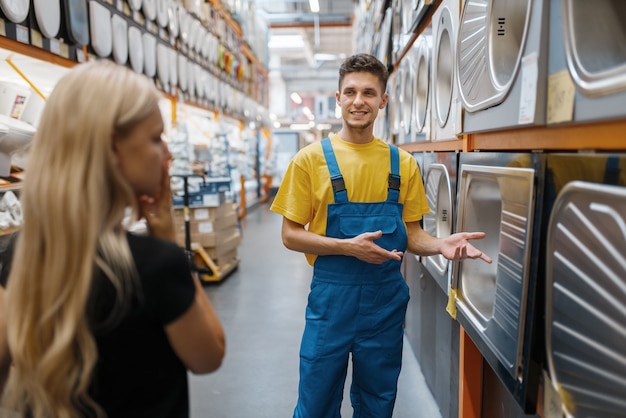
x=499 y=201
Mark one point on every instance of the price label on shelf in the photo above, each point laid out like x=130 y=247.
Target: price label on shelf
x=55 y=46
x=64 y=50
x=36 y=39
x=21 y=33
x=528 y=96
x=561 y=95
x=80 y=55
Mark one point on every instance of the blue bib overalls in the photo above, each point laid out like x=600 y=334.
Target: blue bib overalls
x=355 y=307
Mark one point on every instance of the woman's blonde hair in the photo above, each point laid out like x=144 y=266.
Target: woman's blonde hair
x=74 y=200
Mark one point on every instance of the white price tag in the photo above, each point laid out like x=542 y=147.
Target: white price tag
x=55 y=46
x=201 y=214
x=21 y=33
x=205 y=227
x=80 y=55
x=528 y=96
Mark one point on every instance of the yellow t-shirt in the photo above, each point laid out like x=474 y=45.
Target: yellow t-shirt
x=306 y=190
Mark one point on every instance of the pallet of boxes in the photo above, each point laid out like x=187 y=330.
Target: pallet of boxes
x=215 y=235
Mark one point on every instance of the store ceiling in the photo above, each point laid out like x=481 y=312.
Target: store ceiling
x=307 y=48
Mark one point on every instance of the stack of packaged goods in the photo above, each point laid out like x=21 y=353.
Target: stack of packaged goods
x=213 y=228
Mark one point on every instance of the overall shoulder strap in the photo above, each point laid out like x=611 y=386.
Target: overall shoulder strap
x=393 y=191
x=339 y=187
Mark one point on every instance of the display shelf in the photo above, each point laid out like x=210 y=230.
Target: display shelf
x=253 y=59
x=597 y=136
x=455 y=145
x=35 y=52
x=215 y=111
x=416 y=33
x=234 y=25
x=470 y=382
x=70 y=55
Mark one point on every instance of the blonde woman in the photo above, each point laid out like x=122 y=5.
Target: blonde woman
x=100 y=322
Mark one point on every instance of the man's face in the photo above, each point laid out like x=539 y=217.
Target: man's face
x=360 y=99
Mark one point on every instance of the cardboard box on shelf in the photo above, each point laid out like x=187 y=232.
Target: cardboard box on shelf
x=226 y=242
x=205 y=213
x=204 y=239
x=214 y=229
x=226 y=221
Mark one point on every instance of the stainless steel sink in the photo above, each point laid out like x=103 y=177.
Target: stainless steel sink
x=499 y=201
x=406 y=98
x=421 y=81
x=438 y=222
x=482 y=211
x=585 y=293
x=395 y=102
x=443 y=67
x=595 y=44
x=491 y=41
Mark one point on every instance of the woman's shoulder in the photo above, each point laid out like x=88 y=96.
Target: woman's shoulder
x=165 y=275
x=154 y=253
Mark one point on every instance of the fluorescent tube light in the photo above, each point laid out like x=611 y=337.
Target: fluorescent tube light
x=314 y=5
x=299 y=127
x=307 y=112
x=296 y=98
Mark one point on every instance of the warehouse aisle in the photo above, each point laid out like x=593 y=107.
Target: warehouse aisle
x=261 y=306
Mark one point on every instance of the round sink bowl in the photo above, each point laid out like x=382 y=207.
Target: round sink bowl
x=438 y=222
x=492 y=36
x=595 y=45
x=443 y=66
x=421 y=81
x=406 y=98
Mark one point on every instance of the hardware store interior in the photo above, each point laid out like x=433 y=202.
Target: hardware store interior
x=514 y=111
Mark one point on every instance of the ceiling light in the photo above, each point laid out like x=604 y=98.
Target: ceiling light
x=295 y=97
x=314 y=5
x=299 y=127
x=307 y=112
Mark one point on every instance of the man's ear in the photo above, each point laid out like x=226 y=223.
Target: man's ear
x=384 y=102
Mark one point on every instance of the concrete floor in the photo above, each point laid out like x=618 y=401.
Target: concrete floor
x=261 y=306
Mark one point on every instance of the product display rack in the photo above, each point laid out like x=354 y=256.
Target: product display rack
x=232 y=80
x=577 y=137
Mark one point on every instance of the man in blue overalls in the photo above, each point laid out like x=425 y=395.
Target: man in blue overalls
x=352 y=203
